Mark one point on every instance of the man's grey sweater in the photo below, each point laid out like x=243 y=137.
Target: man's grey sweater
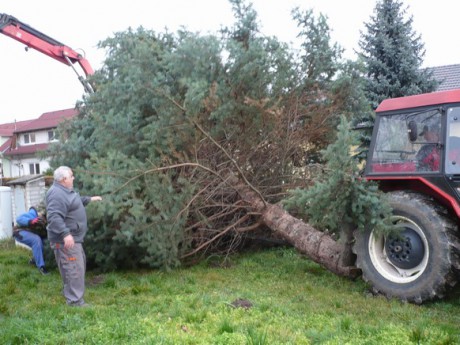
x=66 y=214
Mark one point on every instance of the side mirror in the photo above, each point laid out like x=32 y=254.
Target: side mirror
x=412 y=130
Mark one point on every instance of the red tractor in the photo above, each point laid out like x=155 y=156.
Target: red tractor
x=415 y=157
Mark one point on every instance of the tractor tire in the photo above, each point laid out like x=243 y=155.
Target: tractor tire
x=418 y=264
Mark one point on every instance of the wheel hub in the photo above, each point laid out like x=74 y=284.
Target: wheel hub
x=405 y=250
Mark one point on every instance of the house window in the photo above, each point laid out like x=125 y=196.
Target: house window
x=34 y=168
x=51 y=135
x=29 y=138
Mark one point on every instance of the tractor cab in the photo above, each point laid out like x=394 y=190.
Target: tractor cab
x=416 y=142
x=416 y=146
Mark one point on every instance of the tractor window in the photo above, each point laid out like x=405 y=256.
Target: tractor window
x=453 y=141
x=407 y=143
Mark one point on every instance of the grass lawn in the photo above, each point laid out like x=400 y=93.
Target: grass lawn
x=288 y=300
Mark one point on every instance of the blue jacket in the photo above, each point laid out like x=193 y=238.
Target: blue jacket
x=23 y=219
x=22 y=224
x=66 y=214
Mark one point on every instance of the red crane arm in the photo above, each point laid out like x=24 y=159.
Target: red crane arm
x=37 y=40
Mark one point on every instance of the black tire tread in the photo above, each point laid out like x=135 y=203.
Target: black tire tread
x=445 y=280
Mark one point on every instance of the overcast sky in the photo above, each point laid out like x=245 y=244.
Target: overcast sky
x=32 y=83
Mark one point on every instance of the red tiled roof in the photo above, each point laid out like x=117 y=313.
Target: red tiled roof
x=7 y=129
x=26 y=149
x=48 y=120
x=6 y=145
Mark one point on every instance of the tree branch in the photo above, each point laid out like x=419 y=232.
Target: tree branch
x=220 y=234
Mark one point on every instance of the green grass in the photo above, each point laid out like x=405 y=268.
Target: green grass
x=294 y=301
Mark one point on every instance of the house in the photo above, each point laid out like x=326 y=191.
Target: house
x=20 y=153
x=7 y=129
x=448 y=76
x=6 y=132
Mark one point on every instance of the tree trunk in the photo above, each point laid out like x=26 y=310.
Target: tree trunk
x=318 y=246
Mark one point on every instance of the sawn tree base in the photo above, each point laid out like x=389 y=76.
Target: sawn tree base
x=317 y=245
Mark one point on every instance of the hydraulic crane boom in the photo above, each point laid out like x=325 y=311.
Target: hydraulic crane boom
x=35 y=39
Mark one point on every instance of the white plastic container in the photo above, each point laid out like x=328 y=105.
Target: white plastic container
x=6 y=214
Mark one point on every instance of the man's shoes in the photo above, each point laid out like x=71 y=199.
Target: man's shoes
x=43 y=271
x=32 y=262
x=81 y=305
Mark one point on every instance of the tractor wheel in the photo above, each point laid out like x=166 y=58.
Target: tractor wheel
x=417 y=264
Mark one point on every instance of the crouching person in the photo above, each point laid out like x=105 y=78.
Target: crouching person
x=30 y=229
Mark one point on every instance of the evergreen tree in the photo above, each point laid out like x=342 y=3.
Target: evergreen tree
x=340 y=198
x=173 y=113
x=317 y=97
x=320 y=57
x=175 y=117
x=393 y=54
x=350 y=88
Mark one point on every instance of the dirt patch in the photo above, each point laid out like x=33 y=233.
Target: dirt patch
x=241 y=303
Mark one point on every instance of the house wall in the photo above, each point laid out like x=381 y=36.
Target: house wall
x=2 y=161
x=20 y=167
x=19 y=154
x=16 y=167
x=6 y=167
x=40 y=138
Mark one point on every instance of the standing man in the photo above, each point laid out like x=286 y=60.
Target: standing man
x=67 y=227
